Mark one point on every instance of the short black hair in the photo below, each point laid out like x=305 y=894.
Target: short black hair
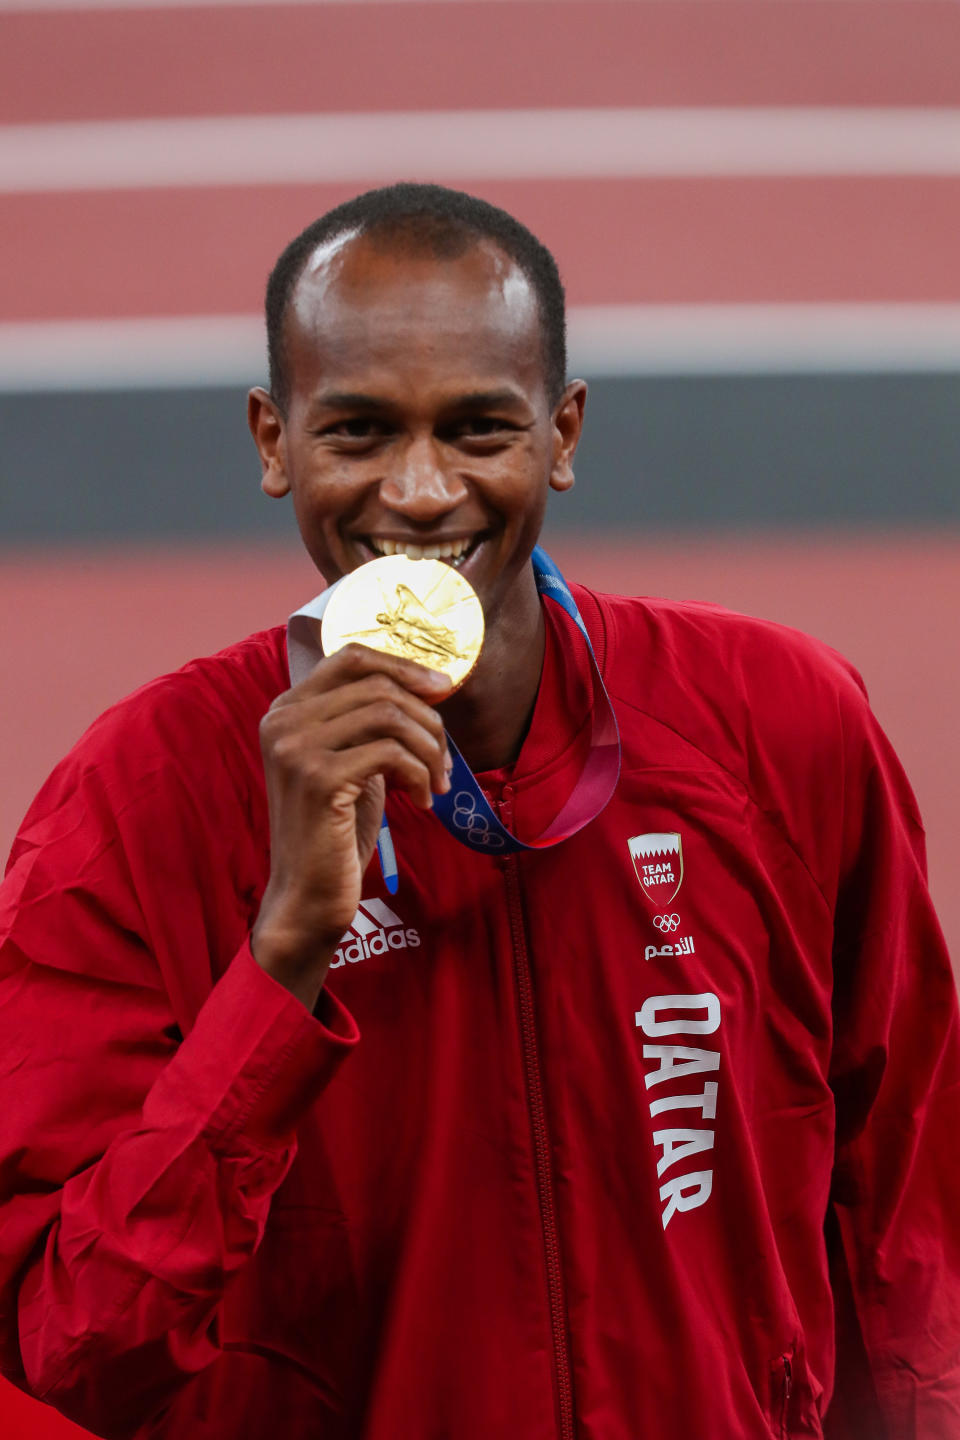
x=445 y=221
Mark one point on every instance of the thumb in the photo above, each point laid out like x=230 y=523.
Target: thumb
x=369 y=817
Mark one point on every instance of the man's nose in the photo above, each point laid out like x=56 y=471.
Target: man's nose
x=419 y=486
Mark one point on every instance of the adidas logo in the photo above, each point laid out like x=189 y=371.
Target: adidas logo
x=373 y=931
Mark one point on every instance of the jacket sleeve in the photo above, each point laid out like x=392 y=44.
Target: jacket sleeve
x=894 y=1227
x=140 y=1145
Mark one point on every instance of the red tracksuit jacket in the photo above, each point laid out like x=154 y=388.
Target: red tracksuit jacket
x=652 y=1134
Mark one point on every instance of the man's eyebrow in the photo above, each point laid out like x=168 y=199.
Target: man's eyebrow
x=503 y=399
x=489 y=400
x=348 y=400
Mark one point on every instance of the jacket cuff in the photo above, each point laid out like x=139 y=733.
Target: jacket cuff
x=254 y=1062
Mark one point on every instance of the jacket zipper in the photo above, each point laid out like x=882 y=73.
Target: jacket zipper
x=541 y=1151
x=787 y=1370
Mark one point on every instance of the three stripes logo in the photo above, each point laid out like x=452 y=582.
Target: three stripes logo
x=374 y=930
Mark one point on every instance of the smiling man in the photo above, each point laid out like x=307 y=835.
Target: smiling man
x=417 y=408
x=631 y=1112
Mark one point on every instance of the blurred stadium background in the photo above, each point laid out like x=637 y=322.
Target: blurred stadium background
x=755 y=205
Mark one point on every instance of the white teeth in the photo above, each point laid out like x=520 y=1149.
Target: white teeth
x=453 y=550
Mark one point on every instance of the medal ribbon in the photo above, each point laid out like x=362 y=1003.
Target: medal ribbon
x=464 y=809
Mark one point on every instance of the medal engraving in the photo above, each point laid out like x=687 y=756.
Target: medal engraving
x=421 y=610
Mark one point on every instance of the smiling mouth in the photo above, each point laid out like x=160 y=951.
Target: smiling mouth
x=454 y=552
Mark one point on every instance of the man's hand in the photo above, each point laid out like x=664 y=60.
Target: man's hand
x=330 y=745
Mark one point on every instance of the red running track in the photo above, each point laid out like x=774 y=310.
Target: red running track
x=208 y=251
x=103 y=64
x=99 y=254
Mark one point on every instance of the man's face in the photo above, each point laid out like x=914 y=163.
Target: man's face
x=418 y=419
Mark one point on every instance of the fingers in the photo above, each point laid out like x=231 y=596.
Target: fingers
x=387 y=720
x=324 y=732
x=372 y=691
x=307 y=778
x=398 y=765
x=355 y=662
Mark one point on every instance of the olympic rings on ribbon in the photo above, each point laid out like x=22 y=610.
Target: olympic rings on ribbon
x=477 y=831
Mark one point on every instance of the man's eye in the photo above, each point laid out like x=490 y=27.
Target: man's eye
x=478 y=427
x=359 y=428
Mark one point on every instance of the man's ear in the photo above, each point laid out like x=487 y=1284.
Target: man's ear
x=267 y=429
x=567 y=425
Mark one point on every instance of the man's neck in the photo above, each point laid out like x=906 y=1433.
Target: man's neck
x=489 y=717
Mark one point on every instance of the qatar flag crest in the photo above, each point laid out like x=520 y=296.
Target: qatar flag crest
x=658 y=862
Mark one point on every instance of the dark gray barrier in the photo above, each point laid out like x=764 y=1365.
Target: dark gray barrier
x=665 y=452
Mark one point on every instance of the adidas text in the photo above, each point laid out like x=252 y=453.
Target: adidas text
x=374 y=930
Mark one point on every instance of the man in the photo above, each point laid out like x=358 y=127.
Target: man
x=650 y=1132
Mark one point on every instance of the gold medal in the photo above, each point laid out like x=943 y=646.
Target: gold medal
x=422 y=610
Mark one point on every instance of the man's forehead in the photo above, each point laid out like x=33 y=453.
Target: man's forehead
x=353 y=285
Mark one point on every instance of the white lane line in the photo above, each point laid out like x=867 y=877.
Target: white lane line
x=476 y=144
x=32 y=5
x=725 y=338
x=154 y=353
x=604 y=340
